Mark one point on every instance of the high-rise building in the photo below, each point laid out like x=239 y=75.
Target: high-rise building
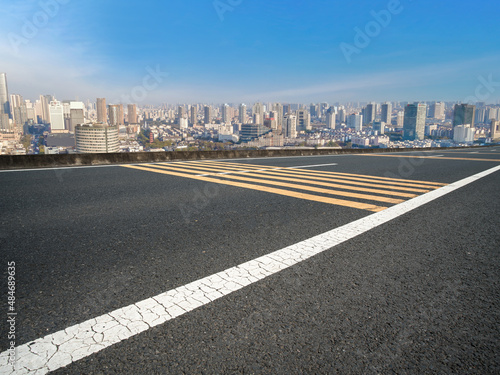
x=44 y=108
x=242 y=116
x=495 y=129
x=414 y=121
x=369 y=113
x=278 y=108
x=303 y=120
x=102 y=113
x=208 y=114
x=4 y=96
x=193 y=115
x=330 y=118
x=341 y=115
x=386 y=113
x=400 y=119
x=464 y=114
x=436 y=111
x=226 y=115
x=181 y=112
x=96 y=138
x=116 y=116
x=56 y=114
x=258 y=109
x=313 y=110
x=290 y=126
x=355 y=121
x=132 y=114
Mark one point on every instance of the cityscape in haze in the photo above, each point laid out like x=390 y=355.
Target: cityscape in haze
x=239 y=74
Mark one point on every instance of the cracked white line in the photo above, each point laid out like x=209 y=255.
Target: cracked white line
x=61 y=348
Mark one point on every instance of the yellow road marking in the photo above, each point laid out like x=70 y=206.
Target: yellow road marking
x=335 y=201
x=291 y=172
x=302 y=187
x=343 y=174
x=431 y=157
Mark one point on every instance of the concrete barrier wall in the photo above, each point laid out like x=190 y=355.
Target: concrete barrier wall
x=65 y=160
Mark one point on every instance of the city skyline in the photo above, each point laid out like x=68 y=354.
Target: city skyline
x=215 y=52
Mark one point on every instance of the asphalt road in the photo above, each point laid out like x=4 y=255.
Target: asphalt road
x=419 y=294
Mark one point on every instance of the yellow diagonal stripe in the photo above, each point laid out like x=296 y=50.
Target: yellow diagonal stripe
x=295 y=186
x=334 y=201
x=337 y=174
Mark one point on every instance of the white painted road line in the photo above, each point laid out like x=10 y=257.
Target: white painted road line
x=60 y=349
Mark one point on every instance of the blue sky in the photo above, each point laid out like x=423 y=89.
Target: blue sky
x=249 y=50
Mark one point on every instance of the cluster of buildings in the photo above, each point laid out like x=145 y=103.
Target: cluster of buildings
x=89 y=127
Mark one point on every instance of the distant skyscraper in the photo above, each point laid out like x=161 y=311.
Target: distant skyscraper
x=193 y=115
x=386 y=112
x=278 y=108
x=208 y=114
x=258 y=109
x=287 y=108
x=132 y=114
x=116 y=117
x=242 y=116
x=355 y=121
x=313 y=110
x=44 y=108
x=436 y=111
x=4 y=96
x=181 y=112
x=414 y=122
x=226 y=115
x=464 y=114
x=341 y=115
x=102 y=113
x=303 y=120
x=56 y=113
x=369 y=113
x=290 y=126
x=330 y=118
x=400 y=119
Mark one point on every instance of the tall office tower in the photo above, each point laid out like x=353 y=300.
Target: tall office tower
x=226 y=115
x=400 y=119
x=4 y=96
x=278 y=108
x=44 y=108
x=414 y=122
x=208 y=114
x=436 y=110
x=330 y=118
x=18 y=109
x=242 y=116
x=56 y=114
x=386 y=113
x=116 y=114
x=322 y=109
x=193 y=115
x=290 y=126
x=495 y=129
x=480 y=115
x=287 y=108
x=464 y=114
x=181 y=112
x=102 y=113
x=355 y=121
x=341 y=115
x=493 y=114
x=132 y=114
x=96 y=138
x=258 y=109
x=313 y=110
x=369 y=113
x=303 y=120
